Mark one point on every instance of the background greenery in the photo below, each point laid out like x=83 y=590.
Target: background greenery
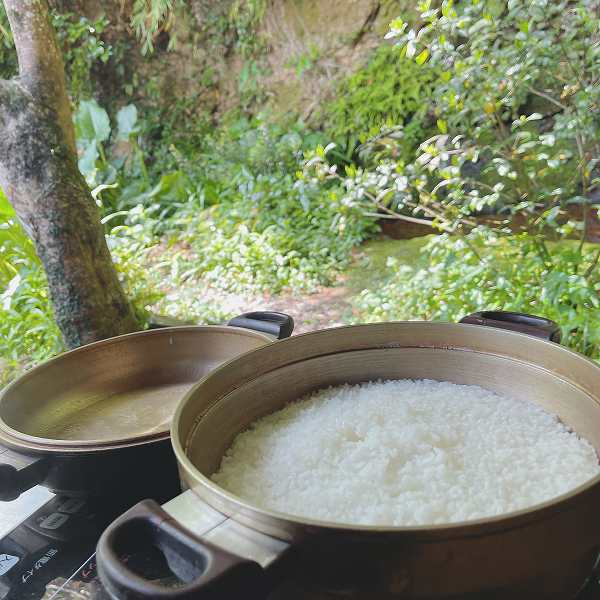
x=497 y=150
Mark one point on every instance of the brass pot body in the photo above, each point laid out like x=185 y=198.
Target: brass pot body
x=544 y=552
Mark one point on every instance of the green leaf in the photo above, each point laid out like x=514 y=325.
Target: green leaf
x=126 y=121
x=478 y=26
x=446 y=8
x=422 y=57
x=87 y=161
x=397 y=25
x=91 y=122
x=495 y=7
x=170 y=188
x=6 y=209
x=442 y=126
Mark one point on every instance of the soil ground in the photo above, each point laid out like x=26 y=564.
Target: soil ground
x=334 y=306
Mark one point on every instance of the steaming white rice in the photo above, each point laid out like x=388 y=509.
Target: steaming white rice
x=405 y=453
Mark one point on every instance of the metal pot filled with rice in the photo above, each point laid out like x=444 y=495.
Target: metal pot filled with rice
x=394 y=460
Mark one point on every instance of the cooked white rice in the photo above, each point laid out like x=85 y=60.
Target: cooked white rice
x=405 y=453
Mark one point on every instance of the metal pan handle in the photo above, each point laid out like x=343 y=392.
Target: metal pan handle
x=19 y=473
x=277 y=324
x=210 y=573
x=523 y=323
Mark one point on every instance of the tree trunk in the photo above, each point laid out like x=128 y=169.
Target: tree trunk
x=39 y=174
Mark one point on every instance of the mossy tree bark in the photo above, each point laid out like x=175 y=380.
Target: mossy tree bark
x=39 y=174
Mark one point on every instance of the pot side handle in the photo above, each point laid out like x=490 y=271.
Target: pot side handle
x=210 y=573
x=19 y=473
x=523 y=323
x=277 y=324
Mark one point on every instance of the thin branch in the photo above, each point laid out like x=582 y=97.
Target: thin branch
x=584 y=193
x=594 y=264
x=474 y=250
x=547 y=97
x=391 y=214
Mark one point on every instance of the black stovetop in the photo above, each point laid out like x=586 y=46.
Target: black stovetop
x=51 y=554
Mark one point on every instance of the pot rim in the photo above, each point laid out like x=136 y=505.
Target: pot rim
x=20 y=441
x=470 y=528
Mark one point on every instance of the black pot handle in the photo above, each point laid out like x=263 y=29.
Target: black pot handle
x=537 y=326
x=19 y=473
x=209 y=572
x=276 y=324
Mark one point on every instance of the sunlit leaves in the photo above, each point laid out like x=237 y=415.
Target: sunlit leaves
x=422 y=56
x=487 y=271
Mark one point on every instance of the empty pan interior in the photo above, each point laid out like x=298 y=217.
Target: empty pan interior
x=119 y=389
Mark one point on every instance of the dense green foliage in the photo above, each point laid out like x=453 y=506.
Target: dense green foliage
x=267 y=231
x=389 y=95
x=27 y=326
x=484 y=269
x=82 y=45
x=243 y=223
x=518 y=137
x=151 y=17
x=8 y=58
x=264 y=229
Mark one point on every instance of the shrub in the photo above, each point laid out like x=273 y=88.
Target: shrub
x=495 y=149
x=518 y=131
x=484 y=270
x=391 y=91
x=265 y=230
x=28 y=332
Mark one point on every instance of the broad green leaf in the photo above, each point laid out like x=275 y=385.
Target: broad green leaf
x=91 y=122
x=422 y=57
x=126 y=121
x=87 y=161
x=170 y=188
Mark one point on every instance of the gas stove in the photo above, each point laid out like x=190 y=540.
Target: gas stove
x=50 y=555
